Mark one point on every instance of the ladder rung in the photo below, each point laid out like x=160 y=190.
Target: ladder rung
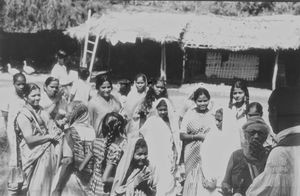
x=91 y=42
x=89 y=51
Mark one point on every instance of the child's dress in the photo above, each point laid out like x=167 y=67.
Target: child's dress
x=96 y=186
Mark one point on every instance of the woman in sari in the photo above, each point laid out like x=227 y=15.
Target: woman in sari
x=134 y=176
x=35 y=144
x=144 y=109
x=196 y=123
x=103 y=103
x=77 y=142
x=134 y=98
x=52 y=98
x=161 y=133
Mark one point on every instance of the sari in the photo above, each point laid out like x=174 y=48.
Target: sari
x=125 y=187
x=37 y=162
x=98 y=107
x=163 y=148
x=194 y=123
x=77 y=142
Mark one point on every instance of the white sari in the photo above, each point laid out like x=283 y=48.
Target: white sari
x=163 y=148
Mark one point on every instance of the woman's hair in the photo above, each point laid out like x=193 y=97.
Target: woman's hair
x=50 y=79
x=30 y=87
x=141 y=143
x=113 y=126
x=200 y=91
x=239 y=83
x=79 y=109
x=17 y=76
x=151 y=95
x=257 y=108
x=100 y=79
x=140 y=75
x=83 y=73
x=125 y=86
x=161 y=103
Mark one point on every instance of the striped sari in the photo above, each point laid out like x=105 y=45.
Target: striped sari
x=194 y=123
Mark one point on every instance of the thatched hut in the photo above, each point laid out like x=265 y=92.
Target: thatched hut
x=212 y=46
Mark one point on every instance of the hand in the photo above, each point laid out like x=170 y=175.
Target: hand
x=210 y=185
x=58 y=96
x=55 y=137
x=226 y=190
x=144 y=175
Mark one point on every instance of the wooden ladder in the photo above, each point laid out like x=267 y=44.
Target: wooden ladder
x=90 y=47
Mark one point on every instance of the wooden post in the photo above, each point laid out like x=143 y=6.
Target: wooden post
x=163 y=63
x=83 y=64
x=184 y=58
x=275 y=72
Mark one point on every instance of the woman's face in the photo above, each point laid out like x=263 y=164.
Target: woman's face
x=159 y=88
x=202 y=102
x=238 y=95
x=105 y=89
x=34 y=98
x=140 y=84
x=140 y=157
x=52 y=89
x=162 y=111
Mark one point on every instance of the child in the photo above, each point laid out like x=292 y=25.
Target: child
x=107 y=152
x=134 y=176
x=254 y=109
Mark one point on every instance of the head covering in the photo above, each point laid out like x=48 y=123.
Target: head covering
x=124 y=164
x=256 y=123
x=79 y=113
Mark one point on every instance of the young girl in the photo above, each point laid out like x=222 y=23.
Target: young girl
x=235 y=115
x=156 y=90
x=196 y=123
x=103 y=103
x=161 y=132
x=107 y=152
x=134 y=176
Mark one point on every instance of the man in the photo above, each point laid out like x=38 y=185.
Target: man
x=12 y=104
x=59 y=70
x=281 y=176
x=247 y=163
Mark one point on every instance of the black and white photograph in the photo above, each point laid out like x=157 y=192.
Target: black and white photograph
x=149 y=98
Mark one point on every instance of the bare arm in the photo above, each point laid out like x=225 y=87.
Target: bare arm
x=33 y=140
x=107 y=177
x=5 y=117
x=190 y=138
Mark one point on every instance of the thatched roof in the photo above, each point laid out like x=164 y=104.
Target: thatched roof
x=126 y=27
x=197 y=31
x=233 y=33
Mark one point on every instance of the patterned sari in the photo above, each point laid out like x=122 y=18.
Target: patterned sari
x=37 y=162
x=194 y=123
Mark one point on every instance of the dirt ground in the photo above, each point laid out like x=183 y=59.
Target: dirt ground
x=219 y=94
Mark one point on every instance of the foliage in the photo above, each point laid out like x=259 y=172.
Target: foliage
x=35 y=15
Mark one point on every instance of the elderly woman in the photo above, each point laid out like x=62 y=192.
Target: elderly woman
x=78 y=139
x=35 y=144
x=247 y=163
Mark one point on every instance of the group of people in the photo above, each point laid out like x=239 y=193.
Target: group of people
x=70 y=141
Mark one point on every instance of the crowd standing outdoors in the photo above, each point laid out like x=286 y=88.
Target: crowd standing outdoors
x=66 y=140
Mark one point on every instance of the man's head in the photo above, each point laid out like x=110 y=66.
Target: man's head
x=256 y=132
x=284 y=108
x=19 y=81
